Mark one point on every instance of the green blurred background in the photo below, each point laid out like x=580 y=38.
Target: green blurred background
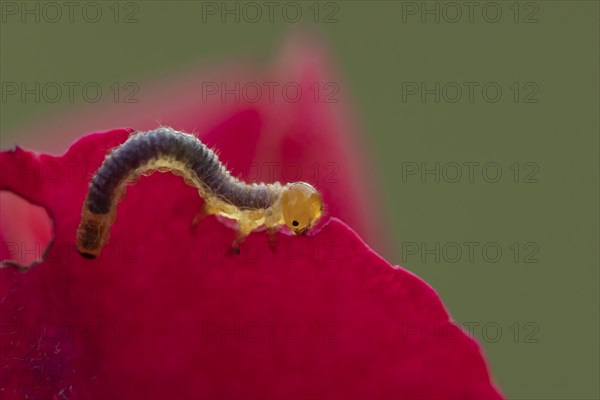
x=542 y=293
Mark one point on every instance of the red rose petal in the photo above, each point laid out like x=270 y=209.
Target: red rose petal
x=313 y=137
x=165 y=313
x=26 y=230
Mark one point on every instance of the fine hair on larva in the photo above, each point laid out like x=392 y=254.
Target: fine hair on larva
x=297 y=205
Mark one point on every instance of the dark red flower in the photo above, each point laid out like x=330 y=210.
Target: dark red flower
x=166 y=312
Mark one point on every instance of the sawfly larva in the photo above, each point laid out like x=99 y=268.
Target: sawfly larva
x=297 y=205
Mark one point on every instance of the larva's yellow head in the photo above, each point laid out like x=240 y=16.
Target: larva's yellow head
x=301 y=205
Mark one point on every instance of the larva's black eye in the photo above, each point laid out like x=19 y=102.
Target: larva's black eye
x=295 y=223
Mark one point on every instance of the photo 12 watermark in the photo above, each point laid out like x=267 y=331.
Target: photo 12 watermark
x=470 y=252
x=24 y=253
x=290 y=12
x=270 y=92
x=75 y=172
x=471 y=172
x=68 y=332
x=68 y=91
x=52 y=12
x=470 y=12
x=489 y=92
x=268 y=332
x=515 y=332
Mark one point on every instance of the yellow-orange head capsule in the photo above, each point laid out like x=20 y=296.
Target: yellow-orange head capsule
x=302 y=206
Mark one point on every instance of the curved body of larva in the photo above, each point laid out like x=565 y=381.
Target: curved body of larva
x=165 y=149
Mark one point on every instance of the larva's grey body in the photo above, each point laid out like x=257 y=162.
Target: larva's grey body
x=252 y=205
x=186 y=150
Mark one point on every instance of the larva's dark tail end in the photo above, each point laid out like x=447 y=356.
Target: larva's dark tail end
x=92 y=233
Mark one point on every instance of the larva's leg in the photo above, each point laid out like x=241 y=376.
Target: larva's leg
x=241 y=234
x=205 y=211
